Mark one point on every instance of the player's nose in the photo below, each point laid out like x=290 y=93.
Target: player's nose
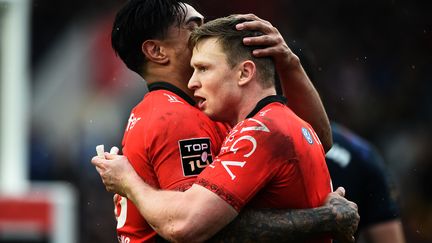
x=194 y=82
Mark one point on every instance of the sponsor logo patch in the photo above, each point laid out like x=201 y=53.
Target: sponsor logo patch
x=195 y=155
x=132 y=121
x=307 y=135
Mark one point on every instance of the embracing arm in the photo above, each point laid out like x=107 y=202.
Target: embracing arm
x=198 y=214
x=302 y=96
x=191 y=216
x=337 y=217
x=270 y=225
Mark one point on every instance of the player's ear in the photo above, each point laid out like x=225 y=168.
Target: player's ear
x=247 y=72
x=154 y=51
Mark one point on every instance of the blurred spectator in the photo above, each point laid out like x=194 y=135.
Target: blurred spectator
x=357 y=166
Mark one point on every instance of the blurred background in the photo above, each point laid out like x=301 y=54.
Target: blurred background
x=370 y=60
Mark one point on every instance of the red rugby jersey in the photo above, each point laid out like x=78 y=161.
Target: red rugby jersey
x=168 y=142
x=273 y=159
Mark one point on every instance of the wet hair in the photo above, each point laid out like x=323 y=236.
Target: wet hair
x=231 y=41
x=141 y=20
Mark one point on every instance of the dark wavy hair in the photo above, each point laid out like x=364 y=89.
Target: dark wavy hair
x=141 y=20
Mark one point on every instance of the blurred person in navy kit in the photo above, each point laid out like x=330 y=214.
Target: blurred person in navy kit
x=357 y=166
x=151 y=37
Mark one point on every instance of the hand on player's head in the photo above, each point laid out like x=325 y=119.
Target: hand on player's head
x=271 y=43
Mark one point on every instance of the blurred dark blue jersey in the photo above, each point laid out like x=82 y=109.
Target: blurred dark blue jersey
x=357 y=166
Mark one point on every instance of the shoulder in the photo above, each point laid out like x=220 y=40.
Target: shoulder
x=165 y=99
x=278 y=123
x=353 y=154
x=274 y=123
x=167 y=107
x=357 y=146
x=258 y=132
x=169 y=114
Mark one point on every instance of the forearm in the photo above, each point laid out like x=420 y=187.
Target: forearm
x=191 y=216
x=304 y=99
x=157 y=207
x=270 y=225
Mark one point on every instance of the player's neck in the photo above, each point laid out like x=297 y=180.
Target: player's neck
x=249 y=101
x=170 y=77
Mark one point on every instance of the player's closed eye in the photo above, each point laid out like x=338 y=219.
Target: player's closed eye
x=201 y=69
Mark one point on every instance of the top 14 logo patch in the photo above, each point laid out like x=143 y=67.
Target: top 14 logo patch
x=195 y=155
